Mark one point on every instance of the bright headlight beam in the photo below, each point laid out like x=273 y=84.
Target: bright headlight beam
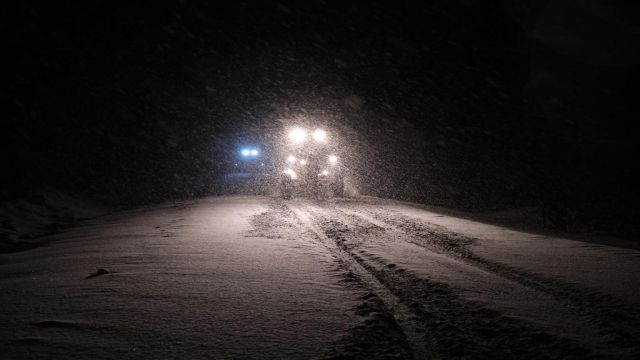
x=319 y=135
x=254 y=152
x=297 y=135
x=333 y=159
x=245 y=152
x=291 y=159
x=303 y=162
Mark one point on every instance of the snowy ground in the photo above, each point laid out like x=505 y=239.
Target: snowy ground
x=263 y=278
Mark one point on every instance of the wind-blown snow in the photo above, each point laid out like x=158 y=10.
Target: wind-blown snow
x=263 y=278
x=187 y=281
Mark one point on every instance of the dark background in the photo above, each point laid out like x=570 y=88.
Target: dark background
x=476 y=105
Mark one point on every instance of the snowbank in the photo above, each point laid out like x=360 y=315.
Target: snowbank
x=23 y=223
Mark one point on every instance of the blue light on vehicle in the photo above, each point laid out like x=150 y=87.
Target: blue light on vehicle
x=249 y=152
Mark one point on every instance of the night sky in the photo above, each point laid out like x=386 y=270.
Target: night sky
x=475 y=105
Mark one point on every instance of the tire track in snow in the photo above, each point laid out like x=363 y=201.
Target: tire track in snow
x=377 y=335
x=404 y=317
x=458 y=328
x=619 y=322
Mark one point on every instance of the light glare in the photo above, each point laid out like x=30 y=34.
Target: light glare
x=297 y=135
x=319 y=135
x=291 y=159
x=291 y=173
x=333 y=159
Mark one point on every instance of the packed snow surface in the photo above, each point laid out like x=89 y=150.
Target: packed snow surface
x=264 y=278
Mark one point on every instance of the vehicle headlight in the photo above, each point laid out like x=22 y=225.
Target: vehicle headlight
x=291 y=159
x=303 y=162
x=292 y=174
x=297 y=135
x=333 y=159
x=319 y=135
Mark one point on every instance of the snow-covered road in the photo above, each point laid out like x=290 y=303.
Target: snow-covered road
x=263 y=278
